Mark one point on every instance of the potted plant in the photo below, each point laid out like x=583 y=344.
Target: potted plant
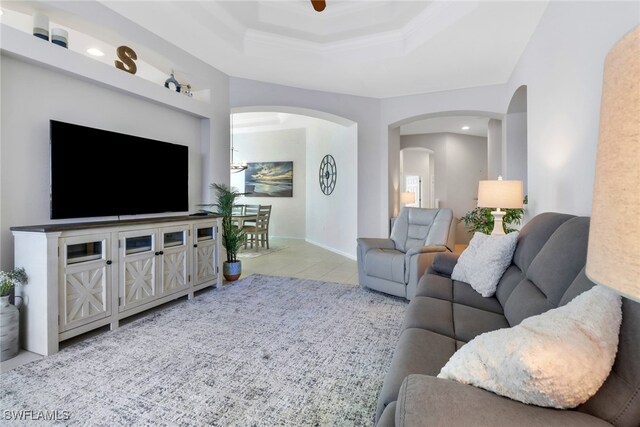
x=481 y=219
x=9 y=314
x=232 y=236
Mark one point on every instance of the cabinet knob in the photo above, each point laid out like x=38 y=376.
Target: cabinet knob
x=109 y=262
x=161 y=252
x=195 y=245
x=157 y=253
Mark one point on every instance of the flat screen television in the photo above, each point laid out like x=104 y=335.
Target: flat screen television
x=96 y=173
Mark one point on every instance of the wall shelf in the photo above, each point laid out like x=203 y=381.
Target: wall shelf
x=26 y=47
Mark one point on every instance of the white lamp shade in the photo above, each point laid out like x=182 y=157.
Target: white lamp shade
x=500 y=194
x=613 y=258
x=407 y=198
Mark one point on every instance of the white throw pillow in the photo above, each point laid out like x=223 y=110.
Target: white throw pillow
x=557 y=359
x=484 y=261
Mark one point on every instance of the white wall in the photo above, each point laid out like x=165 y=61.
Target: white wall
x=32 y=95
x=395 y=186
x=562 y=67
x=287 y=213
x=494 y=148
x=516 y=148
x=460 y=162
x=372 y=135
x=332 y=220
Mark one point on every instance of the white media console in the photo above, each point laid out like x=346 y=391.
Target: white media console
x=83 y=276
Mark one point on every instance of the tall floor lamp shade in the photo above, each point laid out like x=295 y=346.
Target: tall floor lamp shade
x=613 y=258
x=499 y=194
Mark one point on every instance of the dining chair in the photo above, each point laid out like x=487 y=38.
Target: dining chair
x=258 y=233
x=237 y=210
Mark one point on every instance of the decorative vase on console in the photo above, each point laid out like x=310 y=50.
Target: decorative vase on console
x=9 y=314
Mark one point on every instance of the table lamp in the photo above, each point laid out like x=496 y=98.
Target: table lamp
x=499 y=194
x=407 y=198
x=613 y=257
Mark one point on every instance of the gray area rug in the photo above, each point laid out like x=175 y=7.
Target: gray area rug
x=265 y=351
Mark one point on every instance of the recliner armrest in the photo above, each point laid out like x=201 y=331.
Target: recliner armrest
x=368 y=243
x=429 y=401
x=426 y=249
x=444 y=263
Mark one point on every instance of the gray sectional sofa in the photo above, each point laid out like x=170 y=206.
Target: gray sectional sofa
x=547 y=271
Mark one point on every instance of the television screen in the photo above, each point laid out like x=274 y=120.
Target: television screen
x=96 y=172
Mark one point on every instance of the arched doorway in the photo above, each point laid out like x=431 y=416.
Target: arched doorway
x=515 y=153
x=459 y=142
x=266 y=134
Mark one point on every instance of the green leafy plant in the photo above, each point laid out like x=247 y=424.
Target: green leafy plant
x=480 y=219
x=232 y=235
x=9 y=280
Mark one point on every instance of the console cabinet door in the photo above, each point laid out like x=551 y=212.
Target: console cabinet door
x=137 y=274
x=205 y=258
x=84 y=293
x=174 y=265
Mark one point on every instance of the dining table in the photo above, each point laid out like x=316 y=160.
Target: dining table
x=239 y=220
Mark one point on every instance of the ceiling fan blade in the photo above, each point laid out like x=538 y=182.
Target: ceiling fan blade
x=319 y=5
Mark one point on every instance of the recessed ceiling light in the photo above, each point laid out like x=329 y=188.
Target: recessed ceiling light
x=95 y=52
x=465 y=127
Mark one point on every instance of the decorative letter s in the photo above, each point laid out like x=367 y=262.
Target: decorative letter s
x=127 y=56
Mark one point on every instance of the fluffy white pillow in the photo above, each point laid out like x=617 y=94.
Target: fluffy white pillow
x=557 y=359
x=484 y=261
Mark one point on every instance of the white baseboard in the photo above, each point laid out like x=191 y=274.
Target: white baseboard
x=344 y=254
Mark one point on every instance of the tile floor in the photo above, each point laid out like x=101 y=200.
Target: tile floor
x=297 y=258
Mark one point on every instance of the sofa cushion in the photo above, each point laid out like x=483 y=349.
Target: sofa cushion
x=557 y=359
x=551 y=272
x=388 y=417
x=484 y=261
x=385 y=264
x=441 y=287
x=531 y=239
x=534 y=236
x=561 y=259
x=427 y=401
x=418 y=352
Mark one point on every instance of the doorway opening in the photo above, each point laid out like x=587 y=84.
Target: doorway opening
x=299 y=140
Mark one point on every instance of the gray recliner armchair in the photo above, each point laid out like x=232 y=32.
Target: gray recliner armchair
x=395 y=265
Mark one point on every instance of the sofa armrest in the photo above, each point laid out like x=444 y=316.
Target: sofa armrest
x=417 y=260
x=367 y=243
x=444 y=263
x=429 y=401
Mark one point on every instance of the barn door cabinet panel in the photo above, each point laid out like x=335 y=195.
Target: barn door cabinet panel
x=83 y=276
